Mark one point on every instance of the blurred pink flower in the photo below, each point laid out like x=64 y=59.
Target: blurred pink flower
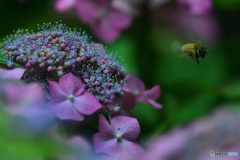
x=206 y=26
x=15 y=73
x=137 y=88
x=63 y=5
x=195 y=6
x=219 y=132
x=27 y=105
x=105 y=19
x=69 y=100
x=118 y=138
x=18 y=96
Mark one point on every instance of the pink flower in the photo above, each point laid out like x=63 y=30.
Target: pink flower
x=118 y=138
x=70 y=100
x=105 y=18
x=196 y=6
x=106 y=21
x=137 y=88
x=15 y=73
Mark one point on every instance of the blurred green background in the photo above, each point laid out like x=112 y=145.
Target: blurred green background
x=188 y=91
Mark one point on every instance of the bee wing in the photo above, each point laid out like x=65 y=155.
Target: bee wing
x=176 y=46
x=185 y=54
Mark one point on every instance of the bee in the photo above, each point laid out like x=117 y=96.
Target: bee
x=194 y=50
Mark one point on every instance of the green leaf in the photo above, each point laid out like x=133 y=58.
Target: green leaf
x=2 y=61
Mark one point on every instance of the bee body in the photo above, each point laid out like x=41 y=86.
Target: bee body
x=194 y=50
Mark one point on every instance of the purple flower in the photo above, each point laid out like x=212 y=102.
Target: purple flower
x=105 y=18
x=219 y=132
x=137 y=88
x=70 y=100
x=196 y=6
x=118 y=138
x=16 y=73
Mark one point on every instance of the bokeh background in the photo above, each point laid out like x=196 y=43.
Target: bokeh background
x=150 y=48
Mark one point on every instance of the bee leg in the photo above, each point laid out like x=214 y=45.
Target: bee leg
x=197 y=61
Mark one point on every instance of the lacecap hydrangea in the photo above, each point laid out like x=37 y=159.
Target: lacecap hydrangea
x=56 y=50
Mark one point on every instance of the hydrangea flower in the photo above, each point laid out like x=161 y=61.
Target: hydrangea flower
x=107 y=19
x=137 y=88
x=217 y=132
x=56 y=50
x=69 y=100
x=118 y=138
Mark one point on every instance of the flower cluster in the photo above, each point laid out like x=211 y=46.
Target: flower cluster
x=68 y=75
x=56 y=50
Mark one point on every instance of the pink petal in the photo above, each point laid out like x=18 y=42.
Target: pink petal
x=86 y=103
x=118 y=19
x=153 y=93
x=110 y=147
x=105 y=130
x=15 y=73
x=103 y=29
x=128 y=127
x=131 y=150
x=87 y=11
x=63 y=5
x=71 y=84
x=155 y=104
x=56 y=92
x=127 y=102
x=65 y=110
x=134 y=84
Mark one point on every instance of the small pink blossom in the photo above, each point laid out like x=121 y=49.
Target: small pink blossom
x=196 y=6
x=70 y=100
x=15 y=73
x=118 y=138
x=136 y=87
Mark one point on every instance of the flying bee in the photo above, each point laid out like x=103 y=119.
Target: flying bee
x=194 y=50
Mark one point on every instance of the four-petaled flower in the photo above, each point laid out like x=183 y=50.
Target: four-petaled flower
x=118 y=138
x=69 y=100
x=137 y=88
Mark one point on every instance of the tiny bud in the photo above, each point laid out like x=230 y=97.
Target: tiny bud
x=28 y=65
x=97 y=83
x=106 y=71
x=83 y=58
x=42 y=65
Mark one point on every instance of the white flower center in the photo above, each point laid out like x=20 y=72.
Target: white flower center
x=71 y=98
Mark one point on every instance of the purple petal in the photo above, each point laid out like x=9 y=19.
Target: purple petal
x=127 y=102
x=63 y=5
x=103 y=29
x=56 y=92
x=86 y=103
x=71 y=84
x=128 y=127
x=110 y=147
x=118 y=19
x=155 y=104
x=65 y=110
x=105 y=130
x=131 y=150
x=150 y=95
x=86 y=11
x=16 y=73
x=134 y=84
